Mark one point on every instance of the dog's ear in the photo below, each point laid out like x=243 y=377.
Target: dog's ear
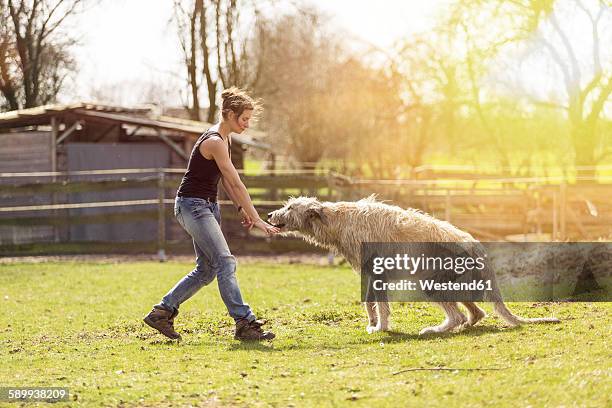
x=316 y=213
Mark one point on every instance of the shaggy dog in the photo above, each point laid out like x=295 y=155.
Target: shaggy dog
x=343 y=226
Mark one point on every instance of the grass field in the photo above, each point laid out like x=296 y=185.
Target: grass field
x=78 y=325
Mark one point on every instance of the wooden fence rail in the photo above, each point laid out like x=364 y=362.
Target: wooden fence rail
x=21 y=195
x=491 y=209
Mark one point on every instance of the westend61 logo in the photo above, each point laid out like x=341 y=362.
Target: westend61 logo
x=474 y=271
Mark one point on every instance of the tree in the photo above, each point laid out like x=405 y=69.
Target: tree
x=35 y=54
x=297 y=84
x=215 y=40
x=302 y=84
x=323 y=102
x=542 y=28
x=430 y=79
x=587 y=88
x=367 y=125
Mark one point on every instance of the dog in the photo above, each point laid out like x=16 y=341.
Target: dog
x=343 y=226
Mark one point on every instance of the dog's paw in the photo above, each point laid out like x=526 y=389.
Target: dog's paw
x=377 y=328
x=462 y=327
x=473 y=319
x=430 y=330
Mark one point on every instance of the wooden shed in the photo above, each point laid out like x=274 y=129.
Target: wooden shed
x=37 y=139
x=74 y=139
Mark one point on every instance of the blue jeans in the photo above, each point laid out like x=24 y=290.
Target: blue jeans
x=202 y=220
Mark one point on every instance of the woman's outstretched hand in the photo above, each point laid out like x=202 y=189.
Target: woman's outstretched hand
x=265 y=227
x=247 y=222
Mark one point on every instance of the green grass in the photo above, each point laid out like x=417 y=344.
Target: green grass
x=78 y=325
x=252 y=166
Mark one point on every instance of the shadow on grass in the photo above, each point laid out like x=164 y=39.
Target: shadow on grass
x=165 y=342
x=351 y=338
x=266 y=346
x=396 y=337
x=399 y=337
x=386 y=337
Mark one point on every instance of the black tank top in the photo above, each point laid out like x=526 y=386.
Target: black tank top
x=202 y=176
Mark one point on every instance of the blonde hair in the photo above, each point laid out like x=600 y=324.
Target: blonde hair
x=237 y=100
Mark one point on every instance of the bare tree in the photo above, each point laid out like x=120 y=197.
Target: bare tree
x=542 y=26
x=34 y=54
x=215 y=40
x=296 y=83
x=430 y=80
x=586 y=92
x=207 y=70
x=187 y=22
x=323 y=102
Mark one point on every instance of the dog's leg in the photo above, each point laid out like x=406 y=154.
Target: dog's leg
x=383 y=311
x=378 y=316
x=475 y=314
x=372 y=318
x=454 y=319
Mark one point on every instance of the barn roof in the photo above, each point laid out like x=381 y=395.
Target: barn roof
x=139 y=117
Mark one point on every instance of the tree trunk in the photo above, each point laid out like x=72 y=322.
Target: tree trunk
x=584 y=141
x=211 y=85
x=194 y=112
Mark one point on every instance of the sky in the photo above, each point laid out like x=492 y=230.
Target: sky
x=129 y=50
x=130 y=44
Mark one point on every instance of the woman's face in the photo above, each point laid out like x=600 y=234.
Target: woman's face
x=240 y=123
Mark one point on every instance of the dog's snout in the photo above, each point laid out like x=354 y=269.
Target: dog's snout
x=270 y=215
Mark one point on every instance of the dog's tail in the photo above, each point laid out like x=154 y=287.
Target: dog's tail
x=514 y=320
x=502 y=310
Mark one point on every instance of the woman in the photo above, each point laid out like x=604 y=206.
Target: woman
x=197 y=210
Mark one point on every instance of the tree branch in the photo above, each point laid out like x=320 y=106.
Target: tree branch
x=211 y=85
x=600 y=102
x=50 y=15
x=548 y=104
x=217 y=4
x=557 y=58
x=192 y=60
x=570 y=52
x=448 y=369
x=73 y=7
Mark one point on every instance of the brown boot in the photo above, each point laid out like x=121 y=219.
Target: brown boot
x=163 y=321
x=246 y=330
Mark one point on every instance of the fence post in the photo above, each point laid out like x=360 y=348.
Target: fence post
x=161 y=217
x=563 y=210
x=538 y=213
x=330 y=191
x=54 y=133
x=447 y=206
x=273 y=192
x=555 y=216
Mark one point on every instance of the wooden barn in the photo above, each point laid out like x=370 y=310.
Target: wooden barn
x=68 y=144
